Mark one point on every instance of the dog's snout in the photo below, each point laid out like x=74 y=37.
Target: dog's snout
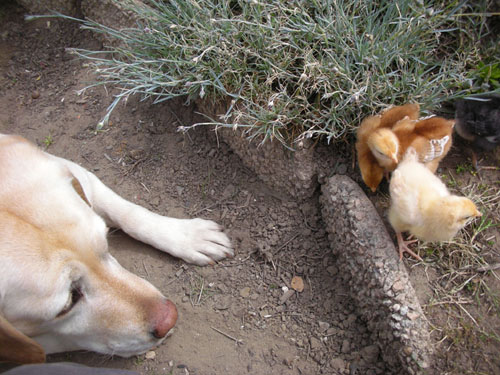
x=164 y=318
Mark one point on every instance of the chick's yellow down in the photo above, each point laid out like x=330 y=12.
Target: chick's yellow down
x=422 y=205
x=382 y=140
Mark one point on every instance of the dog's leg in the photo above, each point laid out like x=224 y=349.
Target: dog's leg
x=193 y=240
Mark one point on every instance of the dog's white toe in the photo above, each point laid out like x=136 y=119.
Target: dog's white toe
x=195 y=241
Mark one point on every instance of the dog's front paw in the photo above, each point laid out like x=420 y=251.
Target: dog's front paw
x=197 y=241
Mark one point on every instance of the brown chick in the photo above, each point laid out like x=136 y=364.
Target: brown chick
x=422 y=205
x=430 y=137
x=373 y=141
x=390 y=116
x=377 y=147
x=382 y=140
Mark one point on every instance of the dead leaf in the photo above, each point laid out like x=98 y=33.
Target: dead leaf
x=297 y=284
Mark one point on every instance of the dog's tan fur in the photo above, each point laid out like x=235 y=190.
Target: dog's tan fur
x=53 y=224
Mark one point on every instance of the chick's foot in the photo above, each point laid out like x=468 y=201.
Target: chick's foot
x=403 y=247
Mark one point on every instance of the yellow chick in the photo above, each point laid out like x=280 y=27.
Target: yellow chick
x=422 y=205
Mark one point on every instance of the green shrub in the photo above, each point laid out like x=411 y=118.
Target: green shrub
x=297 y=68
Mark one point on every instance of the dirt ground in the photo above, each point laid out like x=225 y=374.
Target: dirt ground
x=233 y=317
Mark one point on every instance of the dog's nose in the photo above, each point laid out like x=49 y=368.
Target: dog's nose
x=164 y=318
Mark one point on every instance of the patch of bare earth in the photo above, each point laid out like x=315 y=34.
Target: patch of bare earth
x=234 y=317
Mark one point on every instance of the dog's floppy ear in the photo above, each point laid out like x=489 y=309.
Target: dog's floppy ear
x=16 y=347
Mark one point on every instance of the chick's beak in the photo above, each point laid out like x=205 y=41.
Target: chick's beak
x=479 y=213
x=394 y=158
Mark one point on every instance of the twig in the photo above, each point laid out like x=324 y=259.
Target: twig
x=469 y=315
x=286 y=243
x=197 y=212
x=489 y=267
x=131 y=169
x=238 y=341
x=145 y=187
x=201 y=291
x=109 y=158
x=145 y=268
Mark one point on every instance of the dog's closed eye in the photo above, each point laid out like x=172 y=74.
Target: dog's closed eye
x=74 y=296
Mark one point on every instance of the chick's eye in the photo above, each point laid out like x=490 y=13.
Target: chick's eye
x=74 y=296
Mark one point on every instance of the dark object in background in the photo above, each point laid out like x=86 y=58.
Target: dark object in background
x=65 y=368
x=478 y=121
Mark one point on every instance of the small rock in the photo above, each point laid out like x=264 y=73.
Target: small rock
x=407 y=350
x=346 y=347
x=315 y=343
x=398 y=286
x=151 y=355
x=413 y=315
x=137 y=153
x=331 y=331
x=239 y=312
x=245 y=292
x=224 y=303
x=342 y=169
x=323 y=326
x=179 y=272
x=332 y=270
x=286 y=295
x=370 y=353
x=288 y=362
x=351 y=318
x=229 y=191
x=155 y=201
x=338 y=365
x=35 y=94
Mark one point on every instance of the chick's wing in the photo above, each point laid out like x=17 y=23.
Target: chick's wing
x=405 y=198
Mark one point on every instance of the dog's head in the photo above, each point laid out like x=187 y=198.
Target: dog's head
x=60 y=288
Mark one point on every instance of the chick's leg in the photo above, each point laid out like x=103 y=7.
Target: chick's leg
x=474 y=160
x=403 y=247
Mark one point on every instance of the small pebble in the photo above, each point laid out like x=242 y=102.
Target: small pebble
x=35 y=94
x=323 y=326
x=315 y=343
x=245 y=292
x=286 y=295
x=346 y=347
